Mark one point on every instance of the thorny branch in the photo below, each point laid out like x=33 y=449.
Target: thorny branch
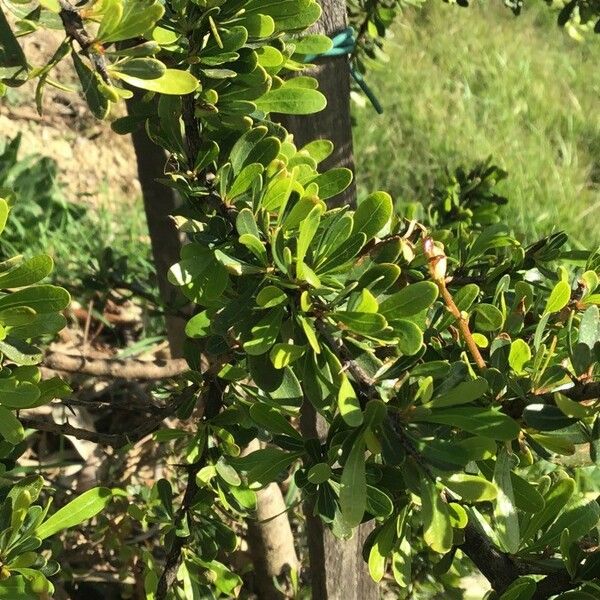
x=74 y=28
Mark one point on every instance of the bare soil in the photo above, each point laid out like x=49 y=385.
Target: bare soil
x=93 y=161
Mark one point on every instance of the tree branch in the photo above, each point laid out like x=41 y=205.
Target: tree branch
x=499 y=568
x=114 y=368
x=116 y=440
x=74 y=28
x=212 y=407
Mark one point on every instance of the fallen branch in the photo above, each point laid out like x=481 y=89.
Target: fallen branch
x=115 y=368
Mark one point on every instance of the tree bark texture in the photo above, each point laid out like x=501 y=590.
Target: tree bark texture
x=337 y=569
x=333 y=123
x=160 y=203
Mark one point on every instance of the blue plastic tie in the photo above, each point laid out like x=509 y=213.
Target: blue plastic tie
x=344 y=43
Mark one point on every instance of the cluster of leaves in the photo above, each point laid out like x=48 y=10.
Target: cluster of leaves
x=341 y=309
x=451 y=365
x=29 y=311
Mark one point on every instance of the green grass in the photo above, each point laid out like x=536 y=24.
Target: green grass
x=462 y=84
x=95 y=248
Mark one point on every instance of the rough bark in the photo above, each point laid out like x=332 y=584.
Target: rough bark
x=333 y=123
x=160 y=203
x=270 y=538
x=337 y=569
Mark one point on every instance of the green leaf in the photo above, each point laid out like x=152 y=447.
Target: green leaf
x=526 y=496
x=243 y=148
x=471 y=488
x=554 y=501
x=307 y=231
x=272 y=420
x=290 y=100
x=353 y=485
x=255 y=246
x=488 y=317
x=410 y=336
x=265 y=465
x=342 y=254
x=41 y=298
x=519 y=356
x=227 y=472
x=558 y=298
x=522 y=588
x=284 y=354
x=11 y=53
x=363 y=323
x=319 y=473
x=373 y=214
x=546 y=417
x=139 y=16
x=313 y=44
x=505 y=511
x=10 y=427
x=235 y=266
x=18 y=395
x=379 y=504
x=579 y=519
x=20 y=352
x=4 y=210
x=463 y=393
x=410 y=300
x=478 y=421
x=437 y=530
x=589 y=328
x=28 y=273
x=90 y=82
x=172 y=82
x=198 y=326
x=318 y=150
x=141 y=68
x=244 y=182
x=38 y=325
x=270 y=297
x=348 y=403
x=333 y=182
x=570 y=408
x=82 y=508
x=264 y=333
x=246 y=223
x=381 y=549
x=113 y=13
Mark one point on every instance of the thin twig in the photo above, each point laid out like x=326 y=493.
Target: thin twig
x=211 y=409
x=74 y=28
x=116 y=440
x=436 y=261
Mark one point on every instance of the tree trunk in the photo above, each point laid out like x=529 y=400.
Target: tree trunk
x=337 y=569
x=333 y=123
x=270 y=538
x=160 y=203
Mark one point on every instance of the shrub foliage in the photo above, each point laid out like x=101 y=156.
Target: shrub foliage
x=455 y=368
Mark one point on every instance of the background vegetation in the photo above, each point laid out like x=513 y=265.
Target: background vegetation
x=480 y=83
